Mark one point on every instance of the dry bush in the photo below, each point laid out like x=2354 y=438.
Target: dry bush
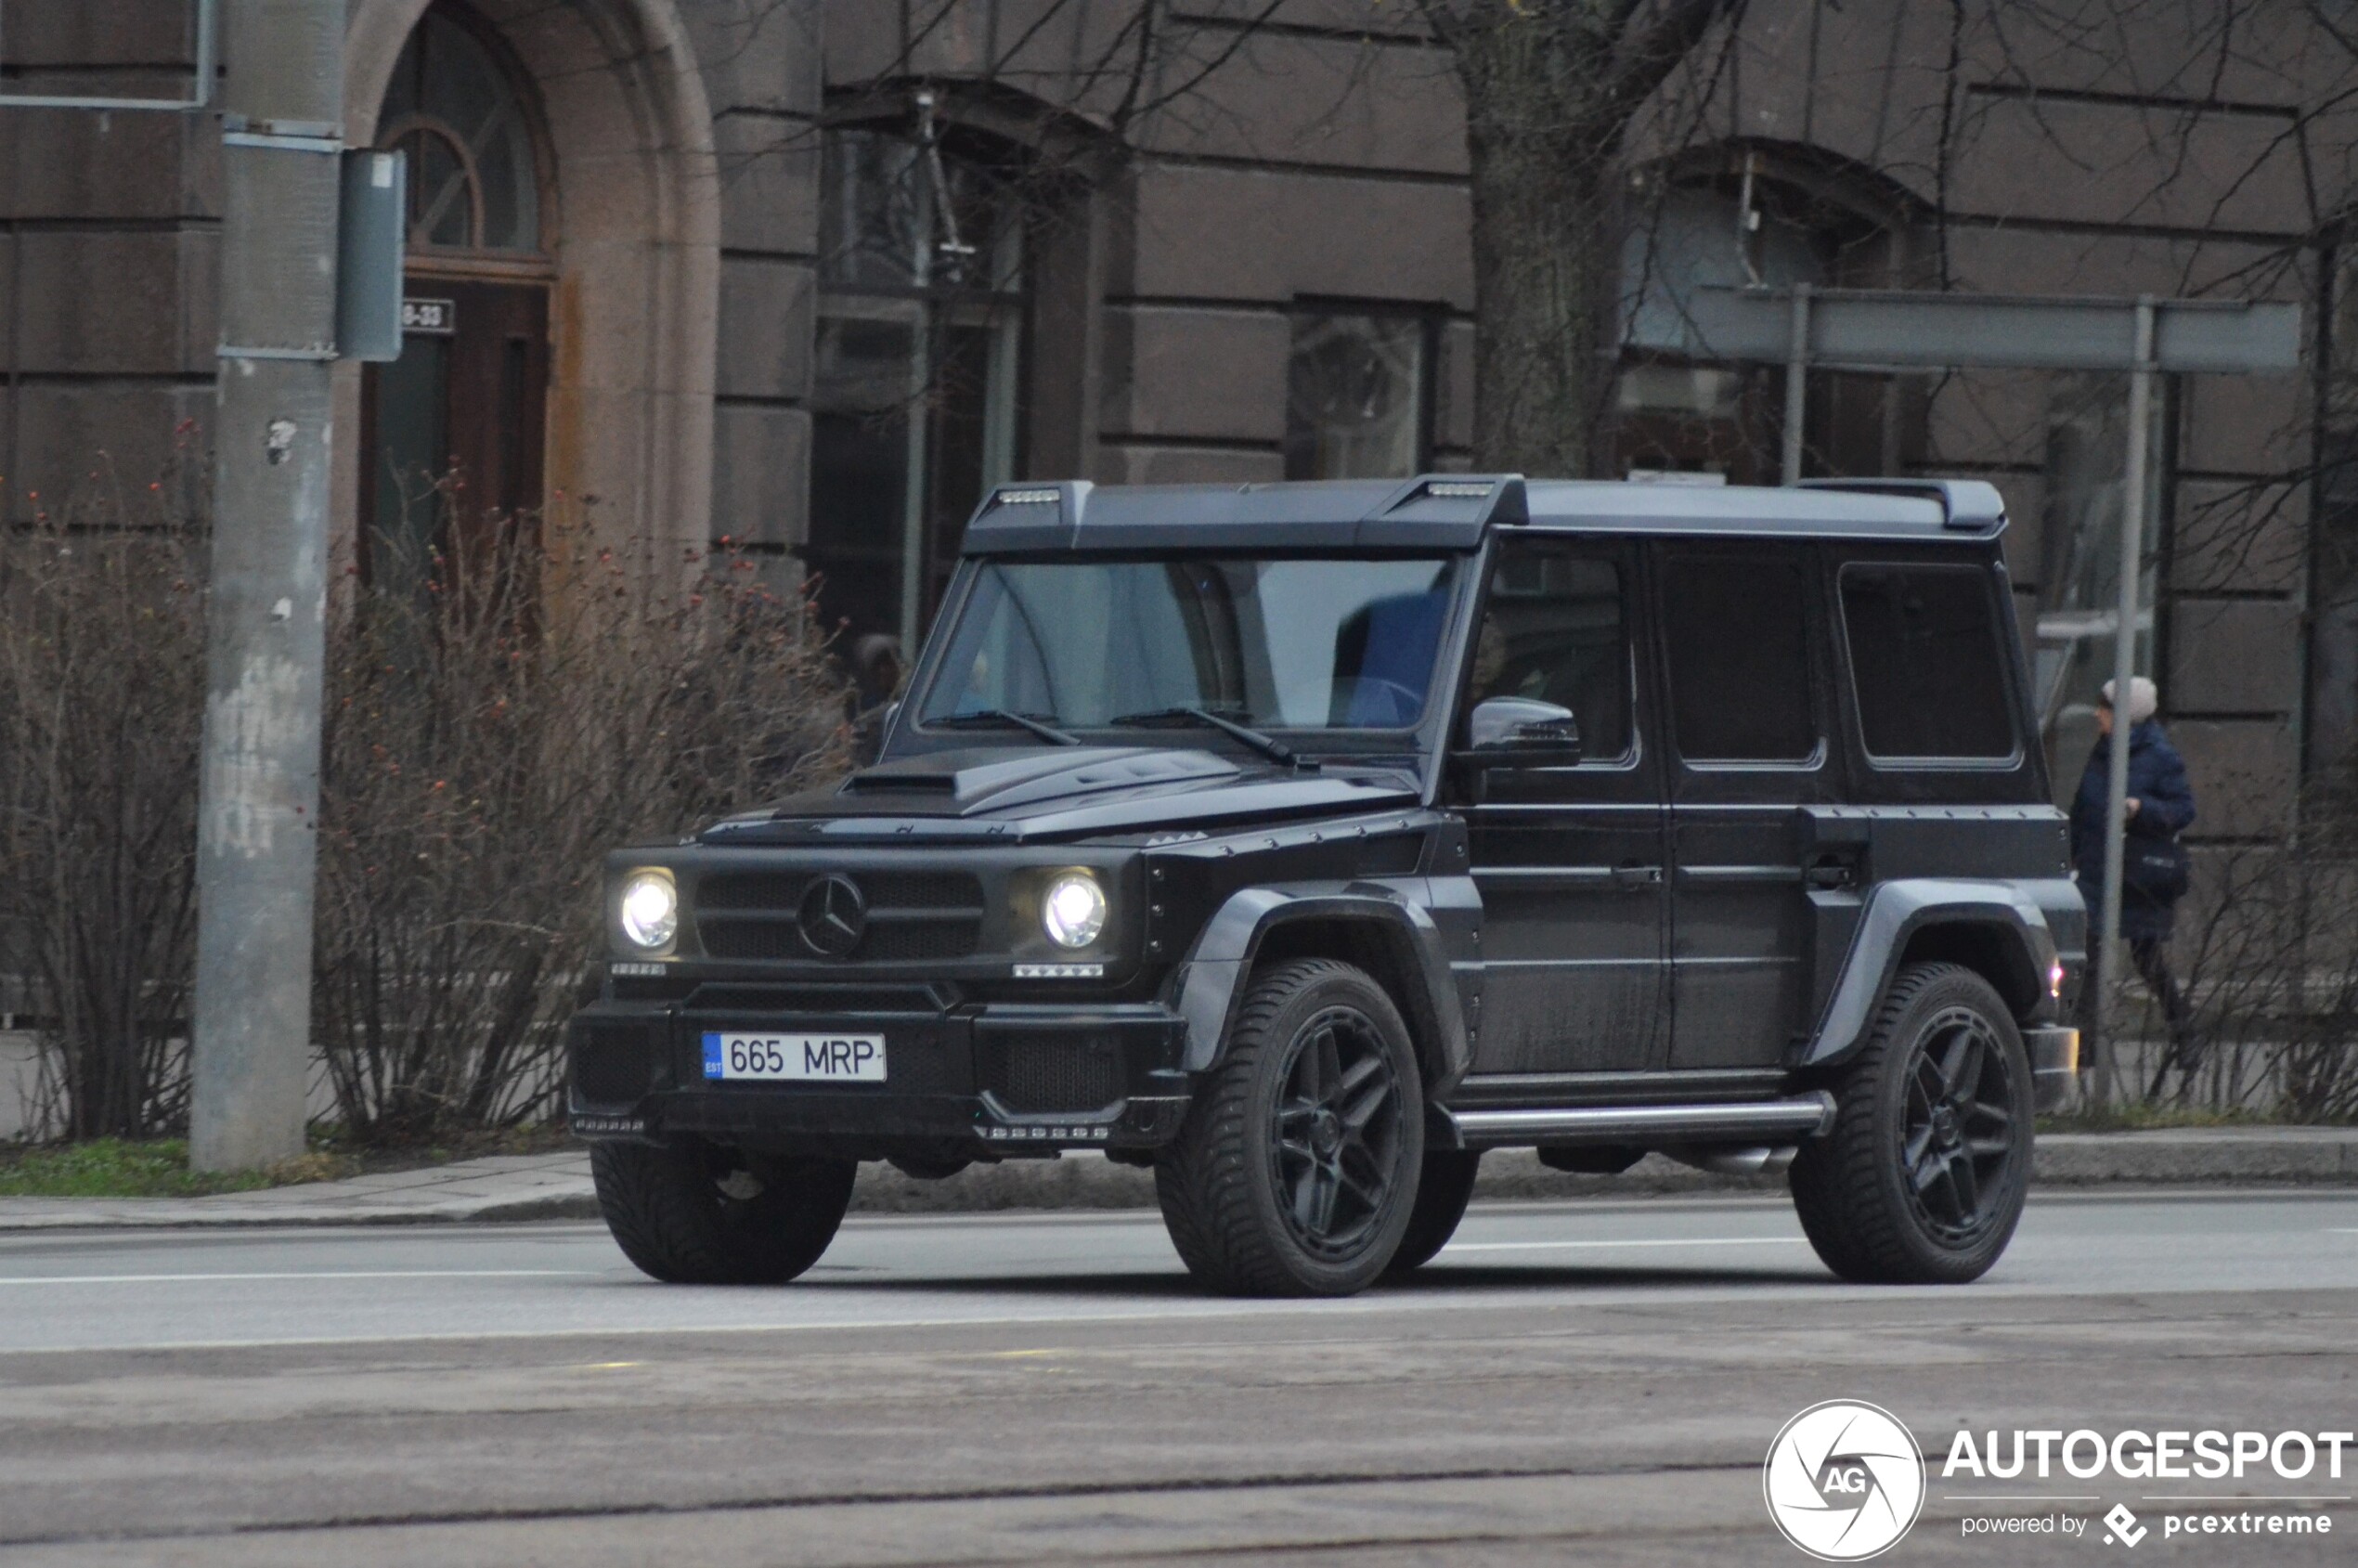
x=101 y=700
x=2270 y=962
x=486 y=744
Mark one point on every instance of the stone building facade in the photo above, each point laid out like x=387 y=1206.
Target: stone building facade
x=810 y=274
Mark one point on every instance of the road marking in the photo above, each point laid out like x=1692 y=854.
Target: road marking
x=317 y=1274
x=2021 y=1497
x=1649 y=1241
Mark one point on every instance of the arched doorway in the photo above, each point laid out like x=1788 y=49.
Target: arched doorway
x=453 y=433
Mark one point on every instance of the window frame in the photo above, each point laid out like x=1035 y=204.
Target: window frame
x=1629 y=570
x=1855 y=712
x=1427 y=318
x=1664 y=557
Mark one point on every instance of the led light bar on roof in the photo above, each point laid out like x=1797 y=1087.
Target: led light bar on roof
x=1030 y=498
x=1458 y=489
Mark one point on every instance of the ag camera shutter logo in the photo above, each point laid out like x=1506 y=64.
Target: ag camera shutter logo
x=1844 y=1481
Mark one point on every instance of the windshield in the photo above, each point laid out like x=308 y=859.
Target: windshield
x=1295 y=643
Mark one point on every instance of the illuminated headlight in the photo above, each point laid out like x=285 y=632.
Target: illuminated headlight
x=1073 y=912
x=650 y=910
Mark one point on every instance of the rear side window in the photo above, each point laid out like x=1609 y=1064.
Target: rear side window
x=1926 y=662
x=1737 y=630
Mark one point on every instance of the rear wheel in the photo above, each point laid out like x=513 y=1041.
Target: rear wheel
x=1295 y=1172
x=698 y=1214
x=1444 y=1190
x=1923 y=1178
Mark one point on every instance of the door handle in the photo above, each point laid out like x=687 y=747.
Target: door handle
x=1635 y=877
x=1832 y=874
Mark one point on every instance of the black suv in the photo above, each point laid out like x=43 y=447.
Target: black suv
x=1303 y=841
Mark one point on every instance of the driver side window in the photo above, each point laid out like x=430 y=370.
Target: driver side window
x=1553 y=631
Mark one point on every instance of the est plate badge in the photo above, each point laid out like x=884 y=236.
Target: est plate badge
x=846 y=1058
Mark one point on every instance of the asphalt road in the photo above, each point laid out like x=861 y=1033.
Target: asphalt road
x=1594 y=1383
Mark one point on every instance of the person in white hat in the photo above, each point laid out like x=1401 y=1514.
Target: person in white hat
x=2160 y=805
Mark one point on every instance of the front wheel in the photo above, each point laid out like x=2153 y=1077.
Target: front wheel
x=1295 y=1172
x=698 y=1214
x=1923 y=1178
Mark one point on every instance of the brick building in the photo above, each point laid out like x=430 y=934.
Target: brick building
x=810 y=275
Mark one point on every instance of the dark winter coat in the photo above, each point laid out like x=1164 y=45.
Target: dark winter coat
x=2158 y=780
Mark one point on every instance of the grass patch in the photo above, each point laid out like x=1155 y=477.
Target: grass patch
x=119 y=1168
x=2140 y=1117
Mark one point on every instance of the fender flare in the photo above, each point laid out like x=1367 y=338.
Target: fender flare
x=1896 y=911
x=1210 y=983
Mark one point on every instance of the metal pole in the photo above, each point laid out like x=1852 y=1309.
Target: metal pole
x=1797 y=382
x=2124 y=671
x=259 y=801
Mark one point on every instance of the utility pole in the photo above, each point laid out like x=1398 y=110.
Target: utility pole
x=282 y=118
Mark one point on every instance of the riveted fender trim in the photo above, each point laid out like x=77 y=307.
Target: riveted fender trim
x=1896 y=912
x=1211 y=982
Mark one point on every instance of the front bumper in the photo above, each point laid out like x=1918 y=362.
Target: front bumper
x=969 y=1081
x=2054 y=1065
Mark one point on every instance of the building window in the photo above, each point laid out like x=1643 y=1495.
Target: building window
x=916 y=374
x=474 y=177
x=1359 y=396
x=2080 y=556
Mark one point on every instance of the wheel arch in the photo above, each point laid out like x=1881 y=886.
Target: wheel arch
x=1378 y=929
x=1999 y=930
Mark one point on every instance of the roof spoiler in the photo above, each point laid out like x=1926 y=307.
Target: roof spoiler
x=1969 y=506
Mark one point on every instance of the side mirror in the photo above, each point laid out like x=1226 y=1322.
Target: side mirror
x=1523 y=725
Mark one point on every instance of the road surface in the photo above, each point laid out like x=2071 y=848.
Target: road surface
x=1592 y=1382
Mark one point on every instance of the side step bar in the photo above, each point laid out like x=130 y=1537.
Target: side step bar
x=1744 y=1121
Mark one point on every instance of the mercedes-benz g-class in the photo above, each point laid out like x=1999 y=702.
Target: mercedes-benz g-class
x=1306 y=841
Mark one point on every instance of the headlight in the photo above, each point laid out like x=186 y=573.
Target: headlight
x=650 y=910
x=1074 y=911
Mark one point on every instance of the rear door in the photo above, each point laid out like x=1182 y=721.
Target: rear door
x=1746 y=697
x=1568 y=856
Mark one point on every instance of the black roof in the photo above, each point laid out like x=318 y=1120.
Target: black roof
x=1452 y=512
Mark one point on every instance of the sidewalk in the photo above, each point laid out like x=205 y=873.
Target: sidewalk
x=556 y=1186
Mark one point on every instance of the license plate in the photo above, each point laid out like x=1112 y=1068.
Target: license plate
x=857 y=1058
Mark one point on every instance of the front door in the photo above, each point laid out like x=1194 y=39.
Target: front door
x=1744 y=659
x=453 y=430
x=1569 y=858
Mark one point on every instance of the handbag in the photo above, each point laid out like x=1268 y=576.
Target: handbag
x=2156 y=870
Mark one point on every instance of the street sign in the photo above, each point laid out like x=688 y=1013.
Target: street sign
x=1880 y=329
x=370 y=309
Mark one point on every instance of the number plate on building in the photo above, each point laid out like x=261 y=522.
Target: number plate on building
x=429 y=318
x=849 y=1057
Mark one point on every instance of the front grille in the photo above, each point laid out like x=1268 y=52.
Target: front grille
x=613 y=1063
x=1054 y=1075
x=914 y=917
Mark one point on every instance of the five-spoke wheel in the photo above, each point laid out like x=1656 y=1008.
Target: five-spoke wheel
x=1295 y=1172
x=1922 y=1177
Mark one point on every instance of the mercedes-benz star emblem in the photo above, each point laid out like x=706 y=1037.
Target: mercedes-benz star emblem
x=833 y=916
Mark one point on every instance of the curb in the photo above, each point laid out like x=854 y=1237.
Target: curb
x=558 y=1188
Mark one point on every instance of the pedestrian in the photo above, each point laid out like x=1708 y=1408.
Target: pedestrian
x=2160 y=806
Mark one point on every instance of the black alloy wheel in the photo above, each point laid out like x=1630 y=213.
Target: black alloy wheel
x=698 y=1213
x=1959 y=1134
x=1922 y=1179
x=1334 y=1148
x=1295 y=1172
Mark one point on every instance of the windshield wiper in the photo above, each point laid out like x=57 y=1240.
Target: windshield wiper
x=1268 y=745
x=1001 y=717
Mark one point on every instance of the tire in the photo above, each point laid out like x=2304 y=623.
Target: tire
x=1922 y=1179
x=1296 y=1171
x=1444 y=1188
x=697 y=1215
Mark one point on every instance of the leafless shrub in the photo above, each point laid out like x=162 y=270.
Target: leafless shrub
x=2270 y=962
x=101 y=700
x=493 y=726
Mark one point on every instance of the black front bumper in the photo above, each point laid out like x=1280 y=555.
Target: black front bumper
x=973 y=1080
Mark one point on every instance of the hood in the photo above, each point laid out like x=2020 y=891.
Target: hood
x=1002 y=793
